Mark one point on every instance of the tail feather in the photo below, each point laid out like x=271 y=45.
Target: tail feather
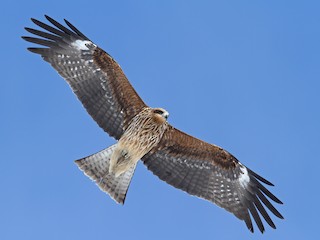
x=96 y=167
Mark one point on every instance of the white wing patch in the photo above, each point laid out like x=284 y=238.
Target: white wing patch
x=81 y=44
x=244 y=178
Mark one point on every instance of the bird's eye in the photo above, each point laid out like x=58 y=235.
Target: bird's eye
x=158 y=111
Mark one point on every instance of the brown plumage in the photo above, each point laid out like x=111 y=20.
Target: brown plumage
x=198 y=168
x=143 y=133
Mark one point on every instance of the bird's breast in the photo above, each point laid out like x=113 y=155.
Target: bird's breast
x=142 y=134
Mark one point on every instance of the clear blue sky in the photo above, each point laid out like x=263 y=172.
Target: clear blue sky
x=244 y=75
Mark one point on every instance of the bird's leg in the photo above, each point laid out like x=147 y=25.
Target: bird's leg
x=120 y=162
x=123 y=157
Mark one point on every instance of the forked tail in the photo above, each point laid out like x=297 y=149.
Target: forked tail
x=96 y=167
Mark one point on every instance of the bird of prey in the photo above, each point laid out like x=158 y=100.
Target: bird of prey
x=185 y=162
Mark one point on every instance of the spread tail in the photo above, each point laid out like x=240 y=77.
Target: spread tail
x=96 y=167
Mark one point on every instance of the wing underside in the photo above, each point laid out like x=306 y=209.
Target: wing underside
x=209 y=172
x=94 y=76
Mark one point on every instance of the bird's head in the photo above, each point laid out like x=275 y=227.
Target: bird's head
x=160 y=114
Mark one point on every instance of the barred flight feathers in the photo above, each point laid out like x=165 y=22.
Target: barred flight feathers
x=209 y=172
x=96 y=167
x=94 y=76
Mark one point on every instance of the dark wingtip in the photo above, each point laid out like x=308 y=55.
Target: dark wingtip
x=274 y=198
x=257 y=176
x=75 y=29
x=280 y=216
x=47 y=17
x=270 y=184
x=28 y=39
x=32 y=49
x=35 y=21
x=251 y=229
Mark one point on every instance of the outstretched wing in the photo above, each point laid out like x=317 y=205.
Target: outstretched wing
x=94 y=76
x=209 y=172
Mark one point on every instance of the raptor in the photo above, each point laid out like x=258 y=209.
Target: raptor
x=185 y=162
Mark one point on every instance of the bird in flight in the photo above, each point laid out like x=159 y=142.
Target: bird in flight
x=185 y=162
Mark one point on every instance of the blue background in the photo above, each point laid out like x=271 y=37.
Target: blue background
x=244 y=75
